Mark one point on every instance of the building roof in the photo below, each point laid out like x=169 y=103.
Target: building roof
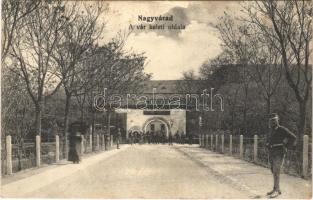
x=171 y=86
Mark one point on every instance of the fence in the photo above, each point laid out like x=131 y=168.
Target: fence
x=34 y=153
x=297 y=161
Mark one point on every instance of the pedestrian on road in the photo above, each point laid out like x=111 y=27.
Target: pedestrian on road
x=118 y=138
x=130 y=137
x=170 y=138
x=279 y=140
x=76 y=129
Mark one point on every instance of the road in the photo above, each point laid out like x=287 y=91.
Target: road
x=141 y=171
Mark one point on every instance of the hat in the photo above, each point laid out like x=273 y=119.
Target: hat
x=274 y=116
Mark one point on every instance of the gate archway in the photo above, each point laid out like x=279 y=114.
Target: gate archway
x=157 y=119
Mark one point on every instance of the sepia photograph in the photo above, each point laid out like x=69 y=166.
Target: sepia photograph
x=156 y=99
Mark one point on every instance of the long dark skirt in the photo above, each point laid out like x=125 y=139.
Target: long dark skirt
x=73 y=154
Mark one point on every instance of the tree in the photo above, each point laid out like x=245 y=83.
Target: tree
x=78 y=36
x=32 y=50
x=13 y=13
x=288 y=25
x=233 y=35
x=122 y=72
x=266 y=68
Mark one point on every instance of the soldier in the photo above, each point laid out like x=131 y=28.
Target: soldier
x=118 y=138
x=177 y=140
x=163 y=137
x=148 y=137
x=280 y=138
x=130 y=137
x=190 y=138
x=170 y=138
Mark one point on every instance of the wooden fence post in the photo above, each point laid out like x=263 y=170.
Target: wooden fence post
x=9 y=155
x=305 y=161
x=223 y=143
x=203 y=140
x=82 y=148
x=231 y=144
x=37 y=150
x=255 y=148
x=98 y=142
x=103 y=142
x=241 y=146
x=212 y=142
x=216 y=143
x=111 y=137
x=90 y=142
x=207 y=141
x=57 y=148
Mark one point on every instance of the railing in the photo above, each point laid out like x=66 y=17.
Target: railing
x=297 y=161
x=23 y=156
x=34 y=153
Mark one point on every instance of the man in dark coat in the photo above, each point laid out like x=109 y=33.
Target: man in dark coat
x=280 y=138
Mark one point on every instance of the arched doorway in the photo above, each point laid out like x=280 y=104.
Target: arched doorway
x=157 y=124
x=134 y=129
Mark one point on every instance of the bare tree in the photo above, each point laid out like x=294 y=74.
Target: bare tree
x=121 y=72
x=13 y=13
x=266 y=67
x=32 y=50
x=233 y=34
x=288 y=24
x=78 y=36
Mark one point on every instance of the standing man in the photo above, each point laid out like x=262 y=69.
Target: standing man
x=280 y=138
x=170 y=138
x=118 y=138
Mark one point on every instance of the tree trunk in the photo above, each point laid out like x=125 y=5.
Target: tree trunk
x=93 y=125
x=82 y=114
x=268 y=104
x=245 y=115
x=38 y=119
x=65 y=131
x=302 y=118
x=109 y=122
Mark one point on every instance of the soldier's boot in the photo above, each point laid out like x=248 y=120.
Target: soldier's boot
x=275 y=194
x=271 y=192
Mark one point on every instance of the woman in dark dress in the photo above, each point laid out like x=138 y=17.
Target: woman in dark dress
x=73 y=154
x=75 y=131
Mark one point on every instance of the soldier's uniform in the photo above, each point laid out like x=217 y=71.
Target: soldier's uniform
x=280 y=138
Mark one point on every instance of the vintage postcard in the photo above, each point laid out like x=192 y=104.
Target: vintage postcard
x=156 y=99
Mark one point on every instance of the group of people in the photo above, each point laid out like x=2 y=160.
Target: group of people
x=156 y=137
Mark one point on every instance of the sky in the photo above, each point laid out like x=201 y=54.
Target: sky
x=170 y=52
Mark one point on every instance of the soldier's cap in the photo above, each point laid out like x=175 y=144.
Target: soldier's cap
x=274 y=116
